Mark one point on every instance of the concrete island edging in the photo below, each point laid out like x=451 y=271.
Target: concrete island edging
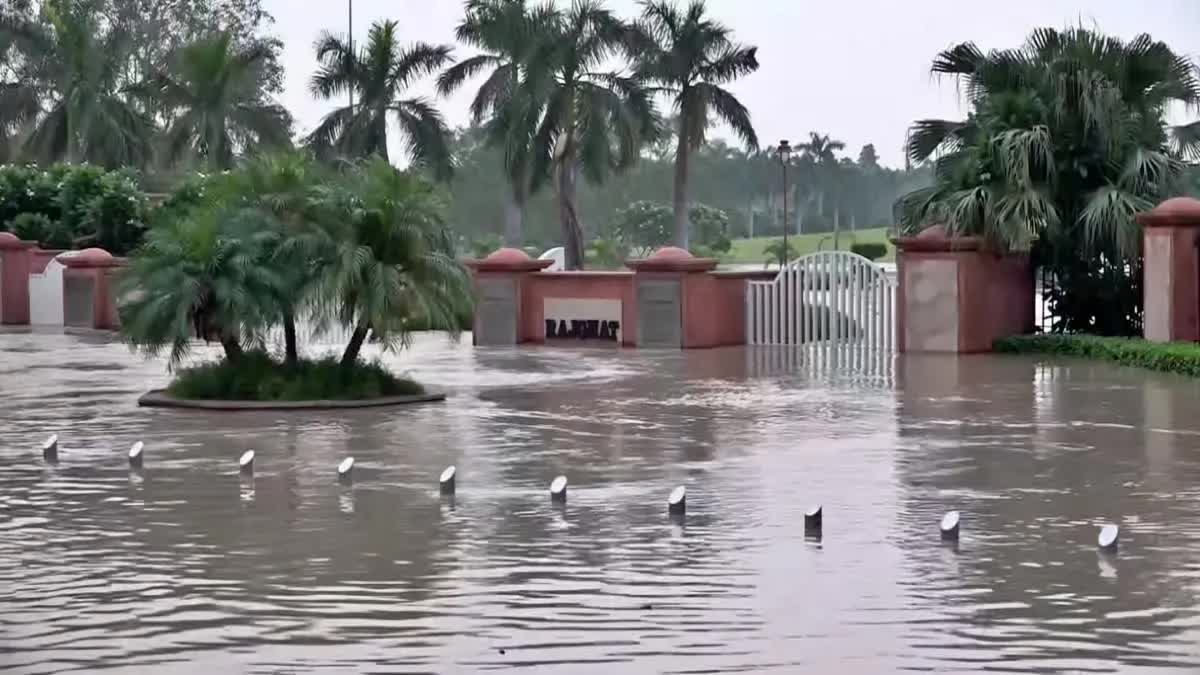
x=159 y=398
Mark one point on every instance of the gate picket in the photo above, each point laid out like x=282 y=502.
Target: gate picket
x=830 y=296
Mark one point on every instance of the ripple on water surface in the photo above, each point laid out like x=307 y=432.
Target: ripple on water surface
x=187 y=566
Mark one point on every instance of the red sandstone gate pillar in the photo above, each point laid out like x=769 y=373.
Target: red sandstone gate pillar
x=1171 y=287
x=16 y=259
x=956 y=297
x=500 y=279
x=89 y=293
x=677 y=306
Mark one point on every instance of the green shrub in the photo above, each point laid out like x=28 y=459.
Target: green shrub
x=38 y=227
x=870 y=250
x=259 y=377
x=1175 y=357
x=777 y=254
x=93 y=207
x=115 y=217
x=28 y=189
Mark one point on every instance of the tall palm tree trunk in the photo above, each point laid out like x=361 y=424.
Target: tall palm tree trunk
x=292 y=355
x=350 y=356
x=232 y=346
x=514 y=215
x=569 y=213
x=682 y=157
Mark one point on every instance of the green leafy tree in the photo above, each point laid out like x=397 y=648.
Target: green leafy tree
x=593 y=121
x=505 y=33
x=645 y=226
x=391 y=259
x=215 y=93
x=690 y=56
x=76 y=63
x=378 y=76
x=208 y=274
x=1066 y=141
x=642 y=227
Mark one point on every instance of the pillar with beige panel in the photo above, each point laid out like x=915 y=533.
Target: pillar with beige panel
x=1171 y=287
x=89 y=289
x=499 y=282
x=957 y=296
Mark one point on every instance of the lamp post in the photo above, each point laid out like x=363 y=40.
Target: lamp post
x=785 y=154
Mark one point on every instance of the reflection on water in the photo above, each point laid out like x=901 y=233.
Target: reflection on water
x=188 y=566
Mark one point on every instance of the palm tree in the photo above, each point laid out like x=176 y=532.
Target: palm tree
x=76 y=64
x=215 y=90
x=820 y=150
x=207 y=274
x=690 y=56
x=379 y=74
x=592 y=120
x=282 y=190
x=1094 y=157
x=505 y=32
x=393 y=259
x=1066 y=142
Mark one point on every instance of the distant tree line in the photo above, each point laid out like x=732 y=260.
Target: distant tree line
x=746 y=185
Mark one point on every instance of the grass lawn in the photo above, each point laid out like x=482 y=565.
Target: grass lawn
x=750 y=251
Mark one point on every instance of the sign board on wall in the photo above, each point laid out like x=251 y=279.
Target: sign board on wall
x=582 y=319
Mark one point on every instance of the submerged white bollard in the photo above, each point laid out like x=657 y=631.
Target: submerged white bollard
x=949 y=526
x=50 y=448
x=813 y=520
x=135 y=455
x=558 y=489
x=246 y=462
x=677 y=502
x=446 y=482
x=346 y=470
x=1107 y=541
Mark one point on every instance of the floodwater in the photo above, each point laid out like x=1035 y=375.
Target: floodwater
x=186 y=567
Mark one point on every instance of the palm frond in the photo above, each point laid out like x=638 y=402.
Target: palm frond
x=927 y=137
x=730 y=111
x=426 y=135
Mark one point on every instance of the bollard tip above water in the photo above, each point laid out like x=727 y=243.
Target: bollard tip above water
x=814 y=518
x=1107 y=541
x=949 y=526
x=135 y=454
x=446 y=482
x=345 y=469
x=558 y=488
x=50 y=447
x=246 y=462
x=677 y=502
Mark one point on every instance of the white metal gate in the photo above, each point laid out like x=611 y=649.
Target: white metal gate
x=836 y=297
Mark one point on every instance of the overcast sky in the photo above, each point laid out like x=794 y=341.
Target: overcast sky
x=855 y=69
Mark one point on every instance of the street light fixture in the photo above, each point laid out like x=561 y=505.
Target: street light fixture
x=785 y=154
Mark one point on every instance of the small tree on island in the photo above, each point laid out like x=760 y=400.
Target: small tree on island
x=367 y=250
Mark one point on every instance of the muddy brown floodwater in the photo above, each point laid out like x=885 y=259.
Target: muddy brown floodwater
x=188 y=568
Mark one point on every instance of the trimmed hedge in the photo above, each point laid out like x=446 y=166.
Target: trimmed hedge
x=260 y=377
x=1175 y=357
x=871 y=250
